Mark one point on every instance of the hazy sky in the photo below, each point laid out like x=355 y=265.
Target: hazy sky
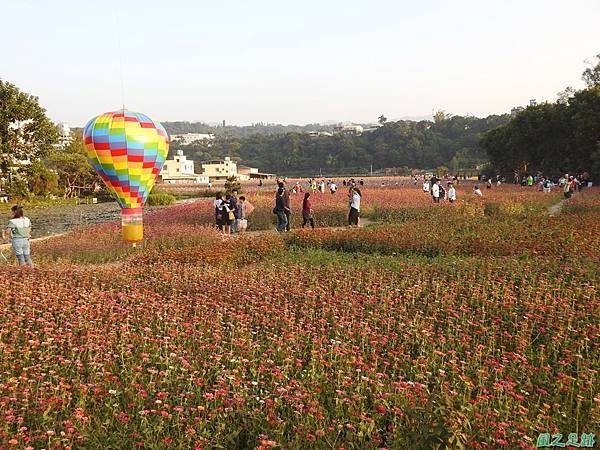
x=294 y=62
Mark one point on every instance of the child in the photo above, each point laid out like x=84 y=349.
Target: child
x=477 y=191
x=241 y=209
x=451 y=193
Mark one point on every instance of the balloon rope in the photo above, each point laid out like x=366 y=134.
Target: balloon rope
x=117 y=12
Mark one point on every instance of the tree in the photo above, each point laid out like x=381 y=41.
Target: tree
x=382 y=119
x=41 y=180
x=74 y=171
x=25 y=131
x=591 y=75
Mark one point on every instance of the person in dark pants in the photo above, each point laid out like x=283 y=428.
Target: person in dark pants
x=280 y=210
x=286 y=201
x=307 y=216
x=353 y=215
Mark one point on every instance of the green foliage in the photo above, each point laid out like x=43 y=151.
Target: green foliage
x=18 y=188
x=422 y=144
x=25 y=131
x=232 y=184
x=591 y=75
x=41 y=180
x=552 y=138
x=160 y=199
x=75 y=174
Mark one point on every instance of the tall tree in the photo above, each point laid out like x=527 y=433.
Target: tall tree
x=25 y=131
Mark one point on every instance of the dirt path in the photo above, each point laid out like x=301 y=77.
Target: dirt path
x=555 y=209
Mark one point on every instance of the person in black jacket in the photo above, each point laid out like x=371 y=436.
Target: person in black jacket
x=286 y=201
x=281 y=210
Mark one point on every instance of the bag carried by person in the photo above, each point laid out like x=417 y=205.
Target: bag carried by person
x=274 y=210
x=231 y=215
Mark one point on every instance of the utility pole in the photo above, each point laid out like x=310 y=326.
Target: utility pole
x=371 y=169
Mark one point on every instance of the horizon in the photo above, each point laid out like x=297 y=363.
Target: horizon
x=295 y=64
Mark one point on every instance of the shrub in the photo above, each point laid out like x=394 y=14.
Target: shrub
x=160 y=199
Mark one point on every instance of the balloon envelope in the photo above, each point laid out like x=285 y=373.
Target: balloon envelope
x=127 y=149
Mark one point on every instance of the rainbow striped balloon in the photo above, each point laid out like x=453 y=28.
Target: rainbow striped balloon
x=127 y=149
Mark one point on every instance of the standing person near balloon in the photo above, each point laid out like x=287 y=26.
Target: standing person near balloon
x=19 y=231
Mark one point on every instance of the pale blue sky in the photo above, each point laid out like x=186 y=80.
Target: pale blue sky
x=294 y=62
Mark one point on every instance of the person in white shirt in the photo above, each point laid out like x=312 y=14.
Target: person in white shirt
x=451 y=193
x=426 y=186
x=19 y=231
x=353 y=215
x=332 y=187
x=477 y=191
x=435 y=192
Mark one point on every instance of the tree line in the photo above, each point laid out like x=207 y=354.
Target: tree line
x=552 y=138
x=450 y=141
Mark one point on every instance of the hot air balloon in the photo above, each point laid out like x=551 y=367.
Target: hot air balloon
x=127 y=149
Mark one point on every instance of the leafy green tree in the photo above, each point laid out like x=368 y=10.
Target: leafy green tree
x=591 y=75
x=25 y=131
x=41 y=180
x=75 y=174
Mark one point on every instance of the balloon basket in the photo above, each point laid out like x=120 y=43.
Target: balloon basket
x=132 y=223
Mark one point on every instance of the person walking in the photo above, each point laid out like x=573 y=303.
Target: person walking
x=307 y=212
x=426 y=186
x=287 y=210
x=333 y=187
x=280 y=210
x=19 y=231
x=477 y=191
x=354 y=214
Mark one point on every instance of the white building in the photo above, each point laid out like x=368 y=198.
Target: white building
x=190 y=138
x=219 y=169
x=180 y=170
x=64 y=137
x=348 y=129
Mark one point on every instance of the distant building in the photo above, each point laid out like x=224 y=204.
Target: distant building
x=219 y=169
x=348 y=129
x=319 y=133
x=190 y=138
x=251 y=173
x=64 y=135
x=372 y=127
x=516 y=110
x=180 y=170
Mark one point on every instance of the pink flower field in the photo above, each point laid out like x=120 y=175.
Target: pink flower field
x=466 y=325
